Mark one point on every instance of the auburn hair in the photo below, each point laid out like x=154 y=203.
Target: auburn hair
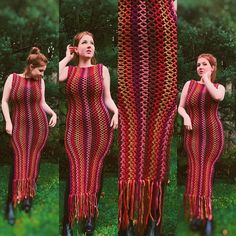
x=213 y=62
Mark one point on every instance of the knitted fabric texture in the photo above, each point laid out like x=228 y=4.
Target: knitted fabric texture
x=204 y=145
x=147 y=87
x=87 y=138
x=30 y=131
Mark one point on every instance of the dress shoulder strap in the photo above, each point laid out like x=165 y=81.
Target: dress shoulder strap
x=100 y=67
x=71 y=70
x=14 y=78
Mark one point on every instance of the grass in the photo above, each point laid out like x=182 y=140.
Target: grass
x=171 y=206
x=43 y=218
x=224 y=214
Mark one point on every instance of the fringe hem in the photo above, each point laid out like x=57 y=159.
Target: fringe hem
x=22 y=189
x=144 y=197
x=198 y=207
x=82 y=206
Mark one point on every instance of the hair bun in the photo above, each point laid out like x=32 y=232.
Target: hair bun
x=34 y=50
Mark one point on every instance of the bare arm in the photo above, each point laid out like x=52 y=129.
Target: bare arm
x=46 y=108
x=181 y=108
x=5 y=106
x=216 y=93
x=108 y=99
x=63 y=69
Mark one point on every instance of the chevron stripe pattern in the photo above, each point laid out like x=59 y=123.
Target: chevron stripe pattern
x=204 y=145
x=30 y=131
x=147 y=90
x=88 y=138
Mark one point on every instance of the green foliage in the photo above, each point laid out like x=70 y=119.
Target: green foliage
x=98 y=17
x=210 y=27
x=25 y=24
x=201 y=30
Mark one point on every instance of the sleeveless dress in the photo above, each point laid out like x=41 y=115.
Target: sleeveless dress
x=88 y=137
x=29 y=134
x=204 y=145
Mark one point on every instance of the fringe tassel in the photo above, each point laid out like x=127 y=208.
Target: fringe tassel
x=22 y=189
x=143 y=196
x=198 y=207
x=81 y=206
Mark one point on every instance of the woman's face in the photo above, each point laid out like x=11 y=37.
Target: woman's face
x=204 y=66
x=86 y=47
x=37 y=72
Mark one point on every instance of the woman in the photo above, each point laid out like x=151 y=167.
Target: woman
x=88 y=132
x=203 y=140
x=27 y=127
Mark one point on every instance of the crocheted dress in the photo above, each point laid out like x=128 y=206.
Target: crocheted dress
x=30 y=131
x=204 y=145
x=147 y=86
x=87 y=138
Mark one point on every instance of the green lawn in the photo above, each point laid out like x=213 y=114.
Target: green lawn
x=224 y=211
x=43 y=219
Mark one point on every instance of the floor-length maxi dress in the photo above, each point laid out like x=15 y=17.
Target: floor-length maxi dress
x=29 y=135
x=88 y=137
x=204 y=145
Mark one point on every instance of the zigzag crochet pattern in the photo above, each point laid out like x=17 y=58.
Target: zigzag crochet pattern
x=203 y=144
x=147 y=90
x=88 y=137
x=29 y=135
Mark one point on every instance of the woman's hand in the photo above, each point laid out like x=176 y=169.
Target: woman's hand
x=114 y=121
x=53 y=120
x=188 y=123
x=9 y=128
x=69 y=52
x=206 y=76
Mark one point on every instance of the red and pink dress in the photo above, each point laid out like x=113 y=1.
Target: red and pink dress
x=29 y=135
x=204 y=145
x=88 y=137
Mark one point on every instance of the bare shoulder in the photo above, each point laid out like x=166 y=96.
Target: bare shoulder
x=10 y=77
x=64 y=74
x=220 y=86
x=105 y=72
x=186 y=85
x=42 y=82
x=105 y=69
x=8 y=83
x=9 y=80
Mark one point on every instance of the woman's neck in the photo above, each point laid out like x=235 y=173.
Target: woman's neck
x=201 y=81
x=85 y=63
x=26 y=75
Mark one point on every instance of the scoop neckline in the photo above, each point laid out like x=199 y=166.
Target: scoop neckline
x=84 y=67
x=199 y=82
x=27 y=78
x=23 y=76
